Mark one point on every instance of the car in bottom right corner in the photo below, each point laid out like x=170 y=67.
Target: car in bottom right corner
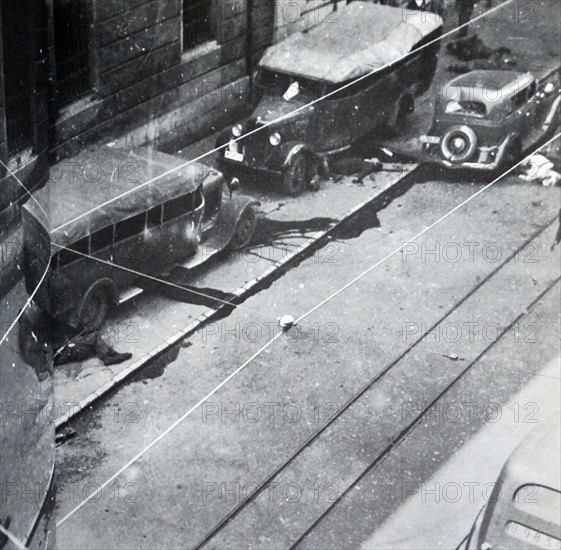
x=486 y=119
x=524 y=509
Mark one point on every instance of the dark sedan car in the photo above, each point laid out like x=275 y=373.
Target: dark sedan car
x=485 y=119
x=319 y=91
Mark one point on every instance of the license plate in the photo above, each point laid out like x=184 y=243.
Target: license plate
x=526 y=534
x=232 y=155
x=430 y=139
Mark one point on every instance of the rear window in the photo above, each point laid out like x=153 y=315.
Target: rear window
x=73 y=252
x=154 y=217
x=129 y=228
x=182 y=205
x=470 y=108
x=101 y=239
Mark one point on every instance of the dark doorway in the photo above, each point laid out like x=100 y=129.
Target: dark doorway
x=17 y=47
x=72 y=20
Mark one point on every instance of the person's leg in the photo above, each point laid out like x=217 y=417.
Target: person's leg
x=465 y=10
x=107 y=354
x=74 y=351
x=102 y=348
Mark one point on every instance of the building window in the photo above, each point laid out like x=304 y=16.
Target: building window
x=198 y=24
x=18 y=65
x=72 y=49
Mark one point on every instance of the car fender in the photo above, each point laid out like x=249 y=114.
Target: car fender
x=290 y=149
x=222 y=140
x=503 y=148
x=228 y=217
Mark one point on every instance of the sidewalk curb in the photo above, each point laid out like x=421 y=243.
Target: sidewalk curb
x=239 y=296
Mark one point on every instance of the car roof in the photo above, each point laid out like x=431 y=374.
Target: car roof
x=486 y=86
x=533 y=460
x=362 y=38
x=105 y=185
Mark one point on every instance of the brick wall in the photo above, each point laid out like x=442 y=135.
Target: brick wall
x=147 y=89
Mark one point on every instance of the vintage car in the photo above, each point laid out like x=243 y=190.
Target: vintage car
x=435 y=6
x=117 y=215
x=369 y=64
x=524 y=509
x=485 y=119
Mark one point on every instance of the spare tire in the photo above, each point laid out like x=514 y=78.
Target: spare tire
x=458 y=144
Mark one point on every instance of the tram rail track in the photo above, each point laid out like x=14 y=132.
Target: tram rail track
x=408 y=430
x=255 y=493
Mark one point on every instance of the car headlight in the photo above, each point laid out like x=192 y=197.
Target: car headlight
x=237 y=130
x=275 y=139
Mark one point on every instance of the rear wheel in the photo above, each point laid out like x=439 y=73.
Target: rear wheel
x=93 y=308
x=244 y=228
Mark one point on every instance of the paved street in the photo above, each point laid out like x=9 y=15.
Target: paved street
x=235 y=441
x=426 y=348
x=285 y=230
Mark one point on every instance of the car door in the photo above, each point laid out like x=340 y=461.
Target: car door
x=519 y=119
x=548 y=100
x=374 y=102
x=333 y=130
x=529 y=112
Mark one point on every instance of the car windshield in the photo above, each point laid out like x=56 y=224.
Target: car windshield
x=273 y=84
x=473 y=108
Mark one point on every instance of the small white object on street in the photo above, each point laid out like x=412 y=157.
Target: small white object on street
x=286 y=322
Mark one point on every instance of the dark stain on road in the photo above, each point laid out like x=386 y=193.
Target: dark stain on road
x=156 y=368
x=367 y=217
x=269 y=231
x=208 y=297
x=175 y=286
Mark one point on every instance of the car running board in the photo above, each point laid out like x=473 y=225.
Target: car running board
x=203 y=254
x=129 y=294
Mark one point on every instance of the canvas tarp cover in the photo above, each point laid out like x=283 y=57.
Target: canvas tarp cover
x=103 y=186
x=362 y=38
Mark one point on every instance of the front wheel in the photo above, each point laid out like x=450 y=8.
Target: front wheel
x=295 y=177
x=245 y=228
